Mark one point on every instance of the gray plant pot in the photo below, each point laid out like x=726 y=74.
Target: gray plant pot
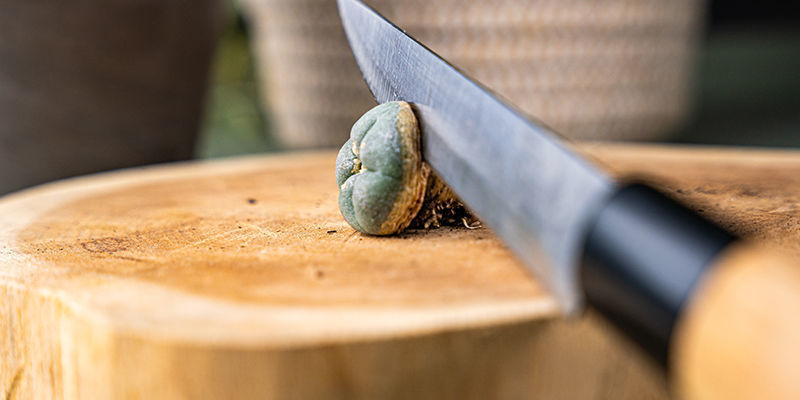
x=90 y=85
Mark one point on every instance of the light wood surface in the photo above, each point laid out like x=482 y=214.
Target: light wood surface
x=239 y=279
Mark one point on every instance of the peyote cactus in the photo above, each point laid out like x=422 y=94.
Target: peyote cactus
x=383 y=180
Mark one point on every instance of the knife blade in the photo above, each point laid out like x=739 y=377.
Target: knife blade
x=644 y=261
x=509 y=169
x=514 y=172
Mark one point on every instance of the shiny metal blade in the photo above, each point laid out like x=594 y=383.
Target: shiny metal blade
x=516 y=174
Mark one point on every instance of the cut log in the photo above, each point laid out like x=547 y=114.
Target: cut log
x=240 y=279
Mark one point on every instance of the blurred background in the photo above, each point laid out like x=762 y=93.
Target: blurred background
x=86 y=88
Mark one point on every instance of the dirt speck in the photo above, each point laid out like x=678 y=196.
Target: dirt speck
x=105 y=245
x=705 y=190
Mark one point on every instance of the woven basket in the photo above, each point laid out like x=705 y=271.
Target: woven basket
x=592 y=69
x=310 y=83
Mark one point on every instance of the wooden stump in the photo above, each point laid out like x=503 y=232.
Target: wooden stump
x=239 y=279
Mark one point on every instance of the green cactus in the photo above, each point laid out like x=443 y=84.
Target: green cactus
x=384 y=185
x=380 y=172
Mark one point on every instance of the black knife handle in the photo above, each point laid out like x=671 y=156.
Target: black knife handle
x=642 y=258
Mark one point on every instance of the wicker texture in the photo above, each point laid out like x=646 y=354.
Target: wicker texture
x=310 y=83
x=600 y=69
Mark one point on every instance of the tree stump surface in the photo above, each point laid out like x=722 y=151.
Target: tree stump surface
x=240 y=279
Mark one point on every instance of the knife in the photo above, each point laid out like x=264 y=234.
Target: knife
x=720 y=314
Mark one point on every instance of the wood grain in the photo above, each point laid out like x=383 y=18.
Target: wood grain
x=239 y=279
